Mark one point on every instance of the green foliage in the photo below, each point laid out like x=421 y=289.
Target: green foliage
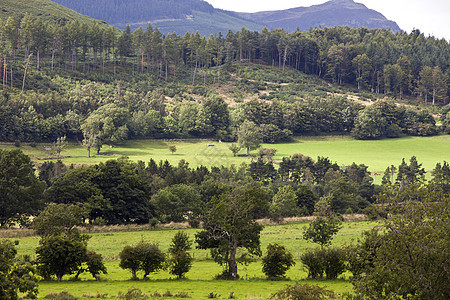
x=303 y=292
x=401 y=260
x=181 y=261
x=234 y=149
x=329 y=261
x=60 y=255
x=16 y=276
x=321 y=230
x=284 y=202
x=249 y=136
x=95 y=265
x=20 y=188
x=144 y=257
x=229 y=225
x=173 y=148
x=59 y=218
x=133 y=294
x=277 y=261
x=96 y=186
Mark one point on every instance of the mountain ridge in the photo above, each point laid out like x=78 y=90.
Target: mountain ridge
x=328 y=14
x=198 y=15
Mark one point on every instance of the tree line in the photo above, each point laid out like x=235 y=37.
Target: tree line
x=378 y=60
x=123 y=192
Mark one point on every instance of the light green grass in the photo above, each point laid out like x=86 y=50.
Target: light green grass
x=199 y=283
x=344 y=150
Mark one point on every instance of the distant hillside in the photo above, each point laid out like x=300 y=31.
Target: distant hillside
x=198 y=15
x=331 y=13
x=168 y=15
x=44 y=9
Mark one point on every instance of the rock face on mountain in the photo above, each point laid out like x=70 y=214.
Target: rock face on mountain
x=198 y=15
x=331 y=13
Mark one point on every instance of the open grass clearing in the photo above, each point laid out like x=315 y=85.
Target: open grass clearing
x=344 y=150
x=199 y=282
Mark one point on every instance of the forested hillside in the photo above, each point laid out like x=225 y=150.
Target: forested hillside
x=93 y=85
x=45 y=10
x=168 y=15
x=198 y=15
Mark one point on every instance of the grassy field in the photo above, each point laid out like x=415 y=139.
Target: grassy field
x=199 y=282
x=344 y=150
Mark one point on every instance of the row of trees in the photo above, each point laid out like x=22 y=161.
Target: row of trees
x=162 y=192
x=378 y=60
x=96 y=117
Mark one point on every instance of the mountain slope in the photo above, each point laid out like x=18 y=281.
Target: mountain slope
x=168 y=15
x=44 y=9
x=331 y=13
x=198 y=15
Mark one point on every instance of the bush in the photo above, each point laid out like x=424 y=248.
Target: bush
x=60 y=296
x=303 y=292
x=331 y=262
x=131 y=294
x=143 y=257
x=335 y=262
x=181 y=260
x=277 y=261
x=314 y=262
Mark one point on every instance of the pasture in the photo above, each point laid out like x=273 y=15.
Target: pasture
x=344 y=150
x=199 y=282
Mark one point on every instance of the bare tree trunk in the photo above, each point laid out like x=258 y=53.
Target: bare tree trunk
x=25 y=73
x=195 y=72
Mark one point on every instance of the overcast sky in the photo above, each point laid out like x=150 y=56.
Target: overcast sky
x=432 y=17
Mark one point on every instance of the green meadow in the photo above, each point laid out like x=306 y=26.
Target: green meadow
x=199 y=283
x=377 y=154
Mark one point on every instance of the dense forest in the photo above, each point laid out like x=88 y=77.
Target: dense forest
x=103 y=86
x=119 y=11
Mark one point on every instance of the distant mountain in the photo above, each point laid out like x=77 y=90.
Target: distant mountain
x=44 y=9
x=329 y=14
x=178 y=16
x=183 y=16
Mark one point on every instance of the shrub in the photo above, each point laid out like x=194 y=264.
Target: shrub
x=132 y=293
x=331 y=262
x=60 y=296
x=335 y=262
x=181 y=260
x=314 y=262
x=303 y=292
x=277 y=261
x=144 y=256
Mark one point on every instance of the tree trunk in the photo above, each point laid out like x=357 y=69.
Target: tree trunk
x=434 y=95
x=232 y=265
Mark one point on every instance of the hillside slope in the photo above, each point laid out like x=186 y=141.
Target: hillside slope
x=44 y=9
x=168 y=15
x=198 y=15
x=331 y=13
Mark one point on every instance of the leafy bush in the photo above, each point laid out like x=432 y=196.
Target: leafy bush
x=132 y=294
x=277 y=261
x=331 y=262
x=314 y=262
x=303 y=292
x=144 y=256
